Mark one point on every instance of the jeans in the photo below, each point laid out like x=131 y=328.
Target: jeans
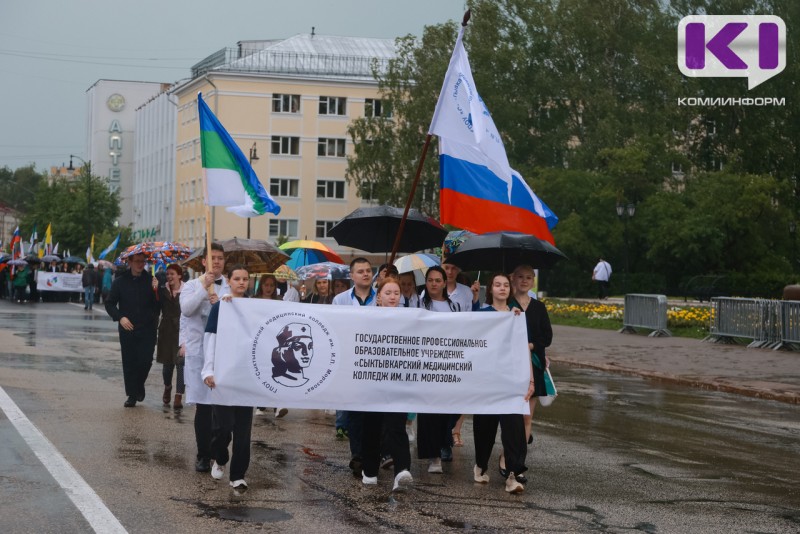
x=88 y=297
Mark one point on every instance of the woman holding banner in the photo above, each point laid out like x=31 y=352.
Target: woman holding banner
x=512 y=426
x=433 y=429
x=231 y=423
x=390 y=426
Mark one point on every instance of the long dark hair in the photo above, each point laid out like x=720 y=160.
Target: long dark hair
x=489 y=294
x=426 y=300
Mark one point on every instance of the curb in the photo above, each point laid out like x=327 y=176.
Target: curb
x=789 y=398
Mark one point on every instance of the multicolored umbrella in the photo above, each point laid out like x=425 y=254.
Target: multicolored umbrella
x=453 y=240
x=307 y=252
x=284 y=272
x=168 y=251
x=417 y=264
x=327 y=270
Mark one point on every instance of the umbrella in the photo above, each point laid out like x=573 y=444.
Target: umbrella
x=169 y=252
x=504 y=251
x=454 y=240
x=32 y=258
x=255 y=254
x=327 y=270
x=374 y=229
x=284 y=272
x=73 y=259
x=19 y=262
x=306 y=252
x=104 y=264
x=50 y=257
x=417 y=264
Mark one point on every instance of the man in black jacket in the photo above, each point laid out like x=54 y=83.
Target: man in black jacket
x=88 y=281
x=134 y=304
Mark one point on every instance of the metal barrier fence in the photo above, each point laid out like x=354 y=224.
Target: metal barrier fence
x=790 y=319
x=769 y=323
x=646 y=311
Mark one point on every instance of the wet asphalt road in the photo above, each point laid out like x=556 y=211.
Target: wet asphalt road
x=613 y=454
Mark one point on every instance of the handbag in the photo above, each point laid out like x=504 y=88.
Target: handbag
x=550 y=388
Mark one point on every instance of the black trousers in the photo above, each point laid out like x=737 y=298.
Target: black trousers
x=137 y=348
x=203 y=430
x=388 y=428
x=433 y=433
x=232 y=423
x=512 y=435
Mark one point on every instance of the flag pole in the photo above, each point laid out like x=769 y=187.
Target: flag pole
x=208 y=231
x=399 y=235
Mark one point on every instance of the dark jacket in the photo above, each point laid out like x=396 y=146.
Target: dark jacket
x=89 y=277
x=540 y=333
x=135 y=299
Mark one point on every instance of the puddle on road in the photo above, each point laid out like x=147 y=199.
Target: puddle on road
x=240 y=514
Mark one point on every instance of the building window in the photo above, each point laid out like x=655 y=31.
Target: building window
x=374 y=107
x=284 y=187
x=323 y=227
x=283 y=227
x=332 y=105
x=286 y=103
x=331 y=147
x=330 y=189
x=285 y=145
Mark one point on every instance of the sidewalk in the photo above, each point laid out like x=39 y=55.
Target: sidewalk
x=759 y=373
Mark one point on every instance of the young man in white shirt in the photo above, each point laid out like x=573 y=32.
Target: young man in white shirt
x=361 y=294
x=602 y=275
x=466 y=297
x=196 y=301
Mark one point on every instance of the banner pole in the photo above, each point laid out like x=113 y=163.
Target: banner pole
x=411 y=193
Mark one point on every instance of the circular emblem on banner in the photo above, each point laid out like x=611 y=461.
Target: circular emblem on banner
x=294 y=354
x=116 y=102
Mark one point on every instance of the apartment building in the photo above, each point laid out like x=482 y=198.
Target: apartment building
x=287 y=103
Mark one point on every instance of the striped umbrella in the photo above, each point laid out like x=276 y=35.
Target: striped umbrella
x=307 y=252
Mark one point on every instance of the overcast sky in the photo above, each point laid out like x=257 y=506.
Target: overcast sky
x=52 y=51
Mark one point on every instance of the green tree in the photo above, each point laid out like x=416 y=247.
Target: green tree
x=17 y=187
x=77 y=209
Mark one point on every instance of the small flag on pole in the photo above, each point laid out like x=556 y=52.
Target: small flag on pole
x=230 y=180
x=89 y=249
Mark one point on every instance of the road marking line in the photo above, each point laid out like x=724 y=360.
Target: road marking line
x=80 y=493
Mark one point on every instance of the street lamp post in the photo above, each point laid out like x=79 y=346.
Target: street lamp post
x=253 y=157
x=625 y=212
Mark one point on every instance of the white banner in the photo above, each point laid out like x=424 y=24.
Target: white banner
x=272 y=353
x=58 y=281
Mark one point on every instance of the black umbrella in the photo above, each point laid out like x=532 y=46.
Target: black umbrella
x=504 y=251
x=374 y=229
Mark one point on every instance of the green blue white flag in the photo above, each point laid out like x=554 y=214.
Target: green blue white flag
x=230 y=180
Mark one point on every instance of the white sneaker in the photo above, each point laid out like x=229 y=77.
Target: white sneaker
x=512 y=486
x=217 y=471
x=280 y=412
x=411 y=435
x=480 y=475
x=402 y=480
x=369 y=481
x=435 y=465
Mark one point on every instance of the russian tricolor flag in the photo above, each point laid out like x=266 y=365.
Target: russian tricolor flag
x=480 y=192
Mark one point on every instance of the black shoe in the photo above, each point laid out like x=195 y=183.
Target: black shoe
x=130 y=403
x=387 y=462
x=522 y=479
x=355 y=466
x=203 y=465
x=140 y=398
x=530 y=439
x=446 y=454
x=503 y=471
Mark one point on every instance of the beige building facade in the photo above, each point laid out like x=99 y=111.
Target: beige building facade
x=288 y=108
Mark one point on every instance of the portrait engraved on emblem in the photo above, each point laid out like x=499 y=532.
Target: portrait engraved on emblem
x=293 y=354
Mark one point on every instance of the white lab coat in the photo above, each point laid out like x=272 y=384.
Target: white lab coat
x=195 y=307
